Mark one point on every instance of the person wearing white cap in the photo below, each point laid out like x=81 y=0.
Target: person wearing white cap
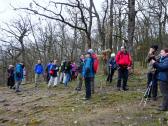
x=112 y=66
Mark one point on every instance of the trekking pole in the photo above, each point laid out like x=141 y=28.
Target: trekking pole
x=146 y=94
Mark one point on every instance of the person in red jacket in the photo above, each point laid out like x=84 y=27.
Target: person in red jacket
x=124 y=62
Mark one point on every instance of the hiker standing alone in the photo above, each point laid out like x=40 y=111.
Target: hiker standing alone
x=124 y=62
x=38 y=69
x=88 y=74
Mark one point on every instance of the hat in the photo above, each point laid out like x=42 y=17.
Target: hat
x=123 y=47
x=90 y=51
x=112 y=54
x=155 y=47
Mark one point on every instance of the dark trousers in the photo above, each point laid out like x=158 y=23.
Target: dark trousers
x=152 y=78
x=164 y=91
x=110 y=75
x=11 y=82
x=88 y=87
x=122 y=75
x=48 y=77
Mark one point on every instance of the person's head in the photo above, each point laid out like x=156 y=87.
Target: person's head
x=88 y=55
x=11 y=66
x=154 y=48
x=112 y=54
x=82 y=57
x=39 y=61
x=164 y=52
x=90 y=51
x=123 y=48
x=55 y=61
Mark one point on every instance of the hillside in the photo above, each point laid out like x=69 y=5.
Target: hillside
x=63 y=106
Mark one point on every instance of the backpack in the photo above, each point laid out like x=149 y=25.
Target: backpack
x=51 y=72
x=18 y=71
x=95 y=63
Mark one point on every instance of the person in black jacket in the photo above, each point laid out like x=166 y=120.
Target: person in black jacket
x=11 y=78
x=162 y=68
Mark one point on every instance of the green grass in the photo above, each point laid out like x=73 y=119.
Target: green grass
x=64 y=106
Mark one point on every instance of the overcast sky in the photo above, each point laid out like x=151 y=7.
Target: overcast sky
x=6 y=12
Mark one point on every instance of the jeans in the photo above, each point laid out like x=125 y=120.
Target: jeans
x=66 y=79
x=17 y=84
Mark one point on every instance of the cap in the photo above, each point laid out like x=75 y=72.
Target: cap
x=90 y=51
x=123 y=47
x=112 y=54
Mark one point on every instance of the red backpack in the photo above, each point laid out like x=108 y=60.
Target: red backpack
x=95 y=63
x=51 y=72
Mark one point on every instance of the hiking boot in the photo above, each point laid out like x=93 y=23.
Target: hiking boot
x=154 y=99
x=162 y=109
x=125 y=89
x=118 y=89
x=17 y=91
x=85 y=99
x=78 y=89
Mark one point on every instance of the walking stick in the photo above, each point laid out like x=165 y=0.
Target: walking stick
x=146 y=94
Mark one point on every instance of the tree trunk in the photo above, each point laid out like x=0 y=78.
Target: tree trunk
x=111 y=26
x=131 y=25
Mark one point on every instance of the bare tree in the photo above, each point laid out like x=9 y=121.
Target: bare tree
x=57 y=14
x=16 y=32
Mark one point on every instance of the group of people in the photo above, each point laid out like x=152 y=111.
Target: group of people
x=56 y=73
x=87 y=68
x=15 y=76
x=158 y=72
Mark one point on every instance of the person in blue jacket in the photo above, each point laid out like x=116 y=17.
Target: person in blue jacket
x=88 y=74
x=18 y=73
x=38 y=69
x=162 y=76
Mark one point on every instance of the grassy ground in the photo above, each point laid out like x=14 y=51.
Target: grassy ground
x=64 y=106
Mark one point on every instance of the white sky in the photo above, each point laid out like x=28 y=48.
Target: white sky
x=6 y=12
